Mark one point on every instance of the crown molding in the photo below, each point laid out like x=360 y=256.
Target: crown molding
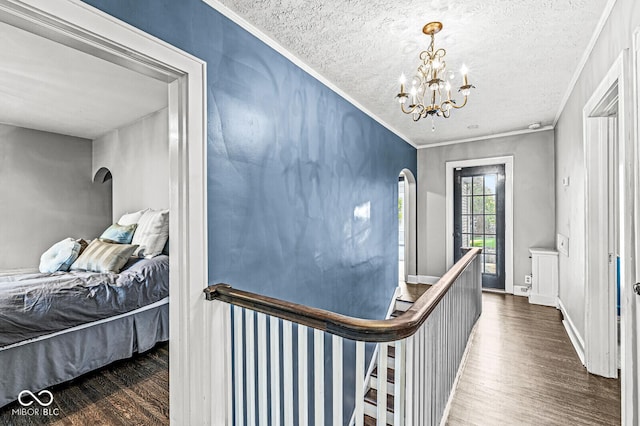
x=585 y=57
x=485 y=137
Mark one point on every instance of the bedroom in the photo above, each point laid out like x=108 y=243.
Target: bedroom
x=83 y=142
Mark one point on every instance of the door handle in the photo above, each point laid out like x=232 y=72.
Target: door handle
x=636 y=288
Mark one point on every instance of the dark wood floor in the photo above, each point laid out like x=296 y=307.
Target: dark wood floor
x=522 y=370
x=128 y=392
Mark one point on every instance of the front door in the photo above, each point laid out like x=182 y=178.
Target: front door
x=479 y=218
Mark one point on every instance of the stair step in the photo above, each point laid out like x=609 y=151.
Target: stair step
x=402 y=305
x=370 y=410
x=396 y=313
x=371 y=421
x=373 y=383
x=372 y=398
x=390 y=374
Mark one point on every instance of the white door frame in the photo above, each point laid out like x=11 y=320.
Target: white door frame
x=410 y=228
x=199 y=381
x=508 y=210
x=601 y=346
x=629 y=301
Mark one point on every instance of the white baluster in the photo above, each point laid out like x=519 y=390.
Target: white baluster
x=303 y=389
x=336 y=347
x=399 y=389
x=263 y=386
x=410 y=383
x=359 y=380
x=287 y=371
x=250 y=367
x=238 y=334
x=382 y=385
x=275 y=370
x=318 y=375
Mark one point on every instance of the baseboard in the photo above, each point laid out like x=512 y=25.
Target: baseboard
x=539 y=299
x=572 y=332
x=422 y=279
x=463 y=363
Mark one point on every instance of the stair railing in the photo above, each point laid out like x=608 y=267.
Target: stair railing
x=429 y=340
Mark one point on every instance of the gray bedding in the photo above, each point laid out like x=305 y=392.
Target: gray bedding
x=33 y=305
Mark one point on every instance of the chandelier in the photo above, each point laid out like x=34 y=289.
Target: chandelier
x=430 y=92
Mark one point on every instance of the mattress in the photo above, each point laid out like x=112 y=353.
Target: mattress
x=36 y=304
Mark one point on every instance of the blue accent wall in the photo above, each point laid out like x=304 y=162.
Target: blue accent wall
x=302 y=186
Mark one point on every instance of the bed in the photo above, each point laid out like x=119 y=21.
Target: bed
x=57 y=326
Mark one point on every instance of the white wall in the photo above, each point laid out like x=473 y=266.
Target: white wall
x=534 y=196
x=138 y=157
x=616 y=36
x=47 y=194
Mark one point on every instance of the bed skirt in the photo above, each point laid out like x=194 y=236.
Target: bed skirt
x=59 y=357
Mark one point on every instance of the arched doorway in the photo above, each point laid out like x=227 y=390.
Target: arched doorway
x=407 y=264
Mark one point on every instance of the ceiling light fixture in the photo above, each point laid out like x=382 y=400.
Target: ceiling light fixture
x=431 y=86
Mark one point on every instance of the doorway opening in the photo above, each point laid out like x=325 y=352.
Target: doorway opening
x=82 y=27
x=407 y=217
x=602 y=122
x=479 y=205
x=505 y=166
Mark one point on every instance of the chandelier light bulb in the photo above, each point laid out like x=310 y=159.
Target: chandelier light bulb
x=464 y=70
x=436 y=64
x=403 y=79
x=447 y=86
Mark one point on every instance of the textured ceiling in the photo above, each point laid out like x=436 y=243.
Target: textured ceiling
x=48 y=86
x=521 y=54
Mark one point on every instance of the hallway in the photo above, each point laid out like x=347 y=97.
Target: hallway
x=522 y=370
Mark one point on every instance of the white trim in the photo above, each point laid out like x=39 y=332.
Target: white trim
x=508 y=211
x=410 y=224
x=485 y=137
x=198 y=370
x=422 y=279
x=630 y=270
x=585 y=57
x=601 y=344
x=576 y=339
x=272 y=43
x=456 y=381
x=87 y=325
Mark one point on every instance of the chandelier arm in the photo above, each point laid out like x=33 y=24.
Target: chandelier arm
x=460 y=106
x=409 y=111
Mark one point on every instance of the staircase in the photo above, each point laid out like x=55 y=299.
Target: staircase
x=409 y=293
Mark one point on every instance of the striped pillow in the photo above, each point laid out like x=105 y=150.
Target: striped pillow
x=152 y=233
x=103 y=257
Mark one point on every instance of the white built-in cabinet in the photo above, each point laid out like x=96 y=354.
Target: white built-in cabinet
x=544 y=283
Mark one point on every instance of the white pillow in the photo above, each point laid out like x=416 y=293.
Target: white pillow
x=152 y=233
x=128 y=219
x=60 y=256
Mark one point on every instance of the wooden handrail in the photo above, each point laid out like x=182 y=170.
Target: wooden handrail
x=366 y=330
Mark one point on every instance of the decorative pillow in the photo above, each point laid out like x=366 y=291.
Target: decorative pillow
x=152 y=233
x=118 y=234
x=83 y=245
x=131 y=218
x=100 y=256
x=60 y=256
